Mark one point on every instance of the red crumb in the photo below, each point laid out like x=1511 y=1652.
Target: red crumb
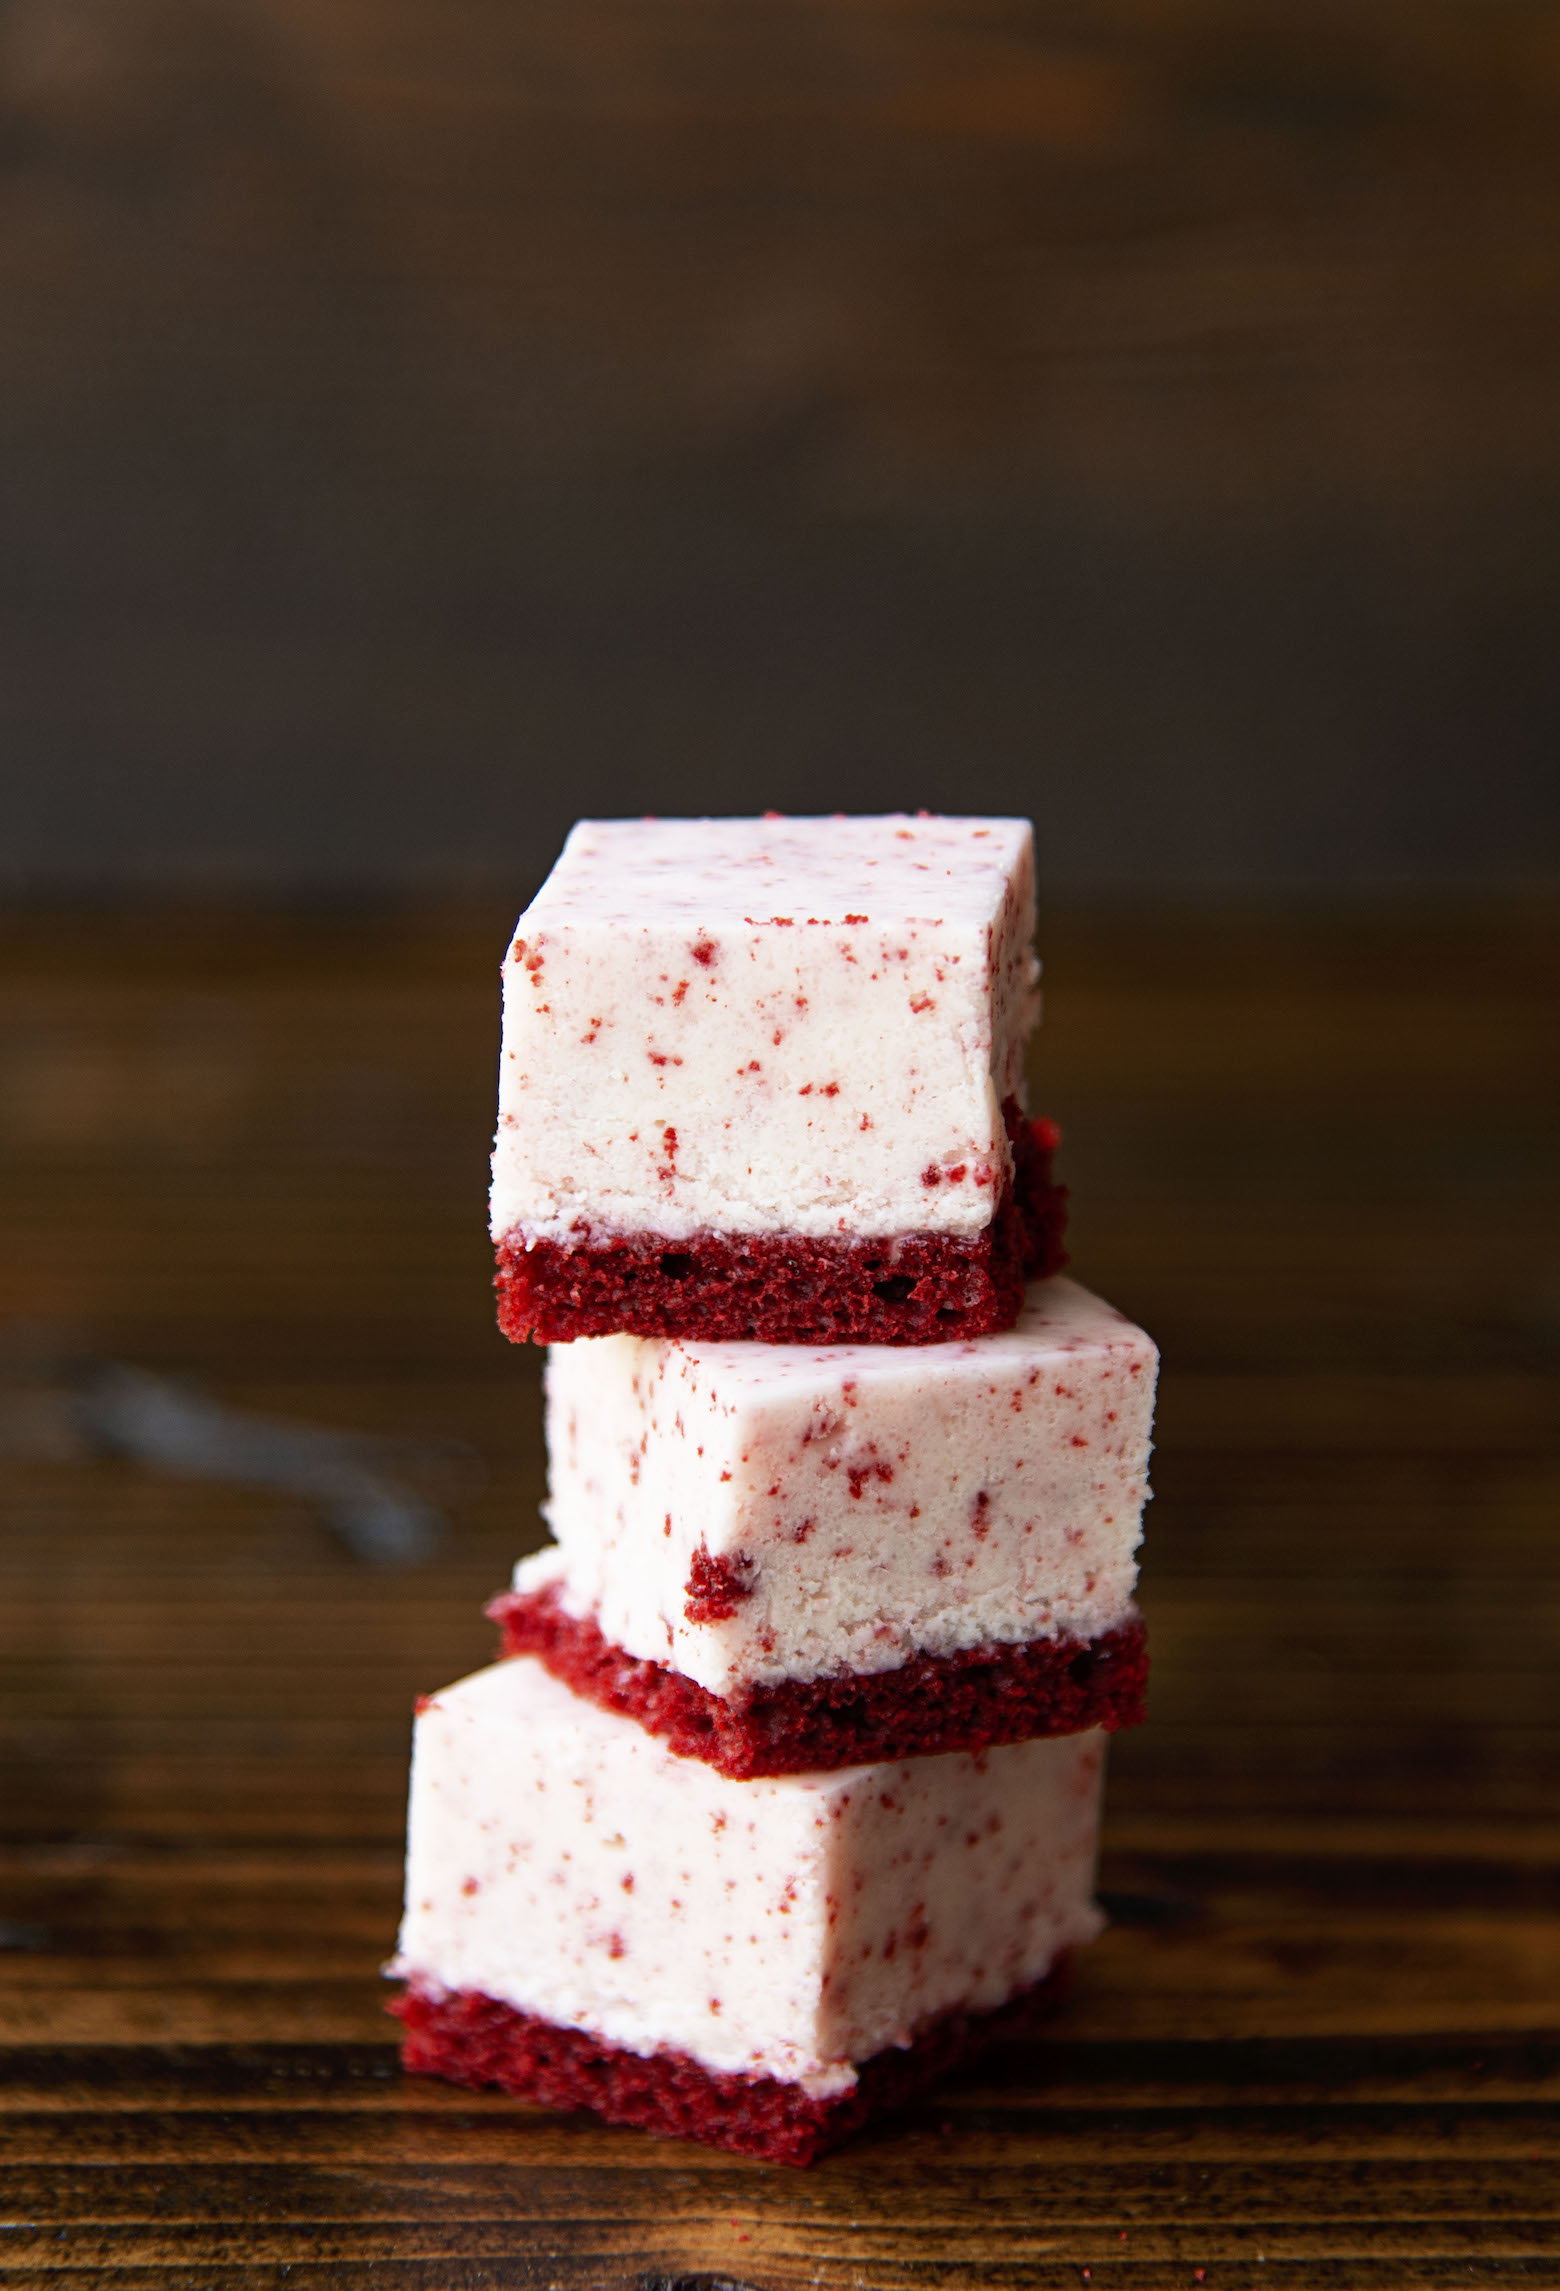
x=473 y=2040
x=918 y=1288
x=970 y=1700
x=716 y=1588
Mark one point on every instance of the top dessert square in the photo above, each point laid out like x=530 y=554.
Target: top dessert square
x=758 y=1072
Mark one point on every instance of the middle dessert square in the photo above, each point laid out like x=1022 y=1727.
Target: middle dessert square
x=790 y=1558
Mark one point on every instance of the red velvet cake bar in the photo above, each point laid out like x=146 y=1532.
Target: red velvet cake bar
x=764 y=1079
x=594 y=1922
x=784 y=1557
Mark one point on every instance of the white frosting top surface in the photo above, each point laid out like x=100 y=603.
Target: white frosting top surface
x=893 y=867
x=866 y=1503
x=565 y=1862
x=766 y=1027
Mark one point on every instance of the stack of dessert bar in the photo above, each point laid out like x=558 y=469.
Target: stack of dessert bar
x=786 y=1794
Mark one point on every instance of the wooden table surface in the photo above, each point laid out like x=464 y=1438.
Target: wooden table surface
x=1319 y=2042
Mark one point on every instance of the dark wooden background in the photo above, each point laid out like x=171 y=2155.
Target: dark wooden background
x=1321 y=2042
x=422 y=421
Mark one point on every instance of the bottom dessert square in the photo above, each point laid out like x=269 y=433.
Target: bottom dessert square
x=594 y=1921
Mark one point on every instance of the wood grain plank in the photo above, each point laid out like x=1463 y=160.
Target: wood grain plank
x=1323 y=2028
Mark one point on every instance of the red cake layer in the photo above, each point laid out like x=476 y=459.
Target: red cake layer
x=471 y=2039
x=966 y=1701
x=913 y=1288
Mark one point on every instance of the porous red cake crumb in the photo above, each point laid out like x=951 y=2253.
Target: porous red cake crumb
x=912 y=1288
x=716 y=1587
x=472 y=2039
x=970 y=1700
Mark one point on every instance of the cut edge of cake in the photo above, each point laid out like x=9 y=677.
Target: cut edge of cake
x=906 y=1289
x=976 y=1698
x=467 y=2038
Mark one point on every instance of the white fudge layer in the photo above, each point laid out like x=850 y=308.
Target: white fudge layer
x=766 y=1026
x=871 y=1502
x=564 y=1862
